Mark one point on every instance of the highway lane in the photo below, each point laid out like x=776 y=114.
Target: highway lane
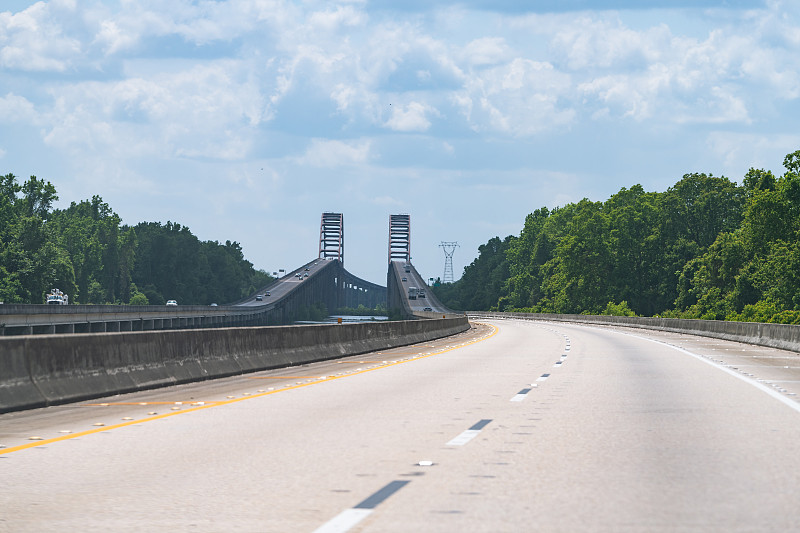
x=281 y=286
x=413 y=279
x=513 y=426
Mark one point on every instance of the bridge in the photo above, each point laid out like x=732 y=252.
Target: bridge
x=321 y=283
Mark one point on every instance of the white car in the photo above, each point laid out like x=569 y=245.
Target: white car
x=172 y=303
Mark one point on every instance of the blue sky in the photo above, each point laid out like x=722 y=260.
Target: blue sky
x=246 y=119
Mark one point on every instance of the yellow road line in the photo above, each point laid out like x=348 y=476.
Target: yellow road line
x=283 y=377
x=365 y=362
x=143 y=404
x=228 y=402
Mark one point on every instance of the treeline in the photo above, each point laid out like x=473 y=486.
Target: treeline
x=706 y=248
x=86 y=252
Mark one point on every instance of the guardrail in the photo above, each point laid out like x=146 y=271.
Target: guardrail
x=782 y=336
x=42 y=370
x=22 y=319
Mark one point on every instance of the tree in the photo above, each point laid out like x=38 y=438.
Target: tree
x=38 y=197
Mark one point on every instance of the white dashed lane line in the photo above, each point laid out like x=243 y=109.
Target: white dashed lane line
x=520 y=395
x=348 y=518
x=469 y=434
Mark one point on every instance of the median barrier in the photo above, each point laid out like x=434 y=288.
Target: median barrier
x=16 y=386
x=40 y=370
x=782 y=336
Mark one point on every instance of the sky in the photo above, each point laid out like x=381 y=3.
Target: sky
x=245 y=120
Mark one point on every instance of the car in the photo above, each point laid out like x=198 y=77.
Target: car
x=297 y=275
x=267 y=294
x=405 y=279
x=427 y=309
x=306 y=269
x=306 y=275
x=259 y=298
x=172 y=303
x=213 y=305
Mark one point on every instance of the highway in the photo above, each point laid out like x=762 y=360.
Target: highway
x=281 y=286
x=512 y=426
x=411 y=278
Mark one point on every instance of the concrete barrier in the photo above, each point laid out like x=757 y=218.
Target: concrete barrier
x=16 y=386
x=40 y=370
x=782 y=336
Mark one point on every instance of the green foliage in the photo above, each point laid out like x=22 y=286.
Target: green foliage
x=86 y=252
x=620 y=309
x=137 y=298
x=362 y=310
x=314 y=313
x=172 y=264
x=705 y=248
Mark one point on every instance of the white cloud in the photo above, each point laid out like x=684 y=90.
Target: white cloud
x=113 y=39
x=14 y=108
x=207 y=111
x=486 y=51
x=520 y=98
x=592 y=42
x=329 y=154
x=410 y=117
x=334 y=19
x=33 y=40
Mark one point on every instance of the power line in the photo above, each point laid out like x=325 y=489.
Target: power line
x=449 y=248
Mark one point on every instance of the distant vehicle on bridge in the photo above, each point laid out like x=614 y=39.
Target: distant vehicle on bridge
x=172 y=303
x=408 y=267
x=412 y=293
x=56 y=297
x=420 y=293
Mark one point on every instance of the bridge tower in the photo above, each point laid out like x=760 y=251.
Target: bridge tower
x=331 y=236
x=449 y=248
x=400 y=238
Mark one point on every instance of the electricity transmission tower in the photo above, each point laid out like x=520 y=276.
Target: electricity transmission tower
x=449 y=248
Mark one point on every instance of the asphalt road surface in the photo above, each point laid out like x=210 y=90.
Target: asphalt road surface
x=512 y=426
x=413 y=279
x=281 y=286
